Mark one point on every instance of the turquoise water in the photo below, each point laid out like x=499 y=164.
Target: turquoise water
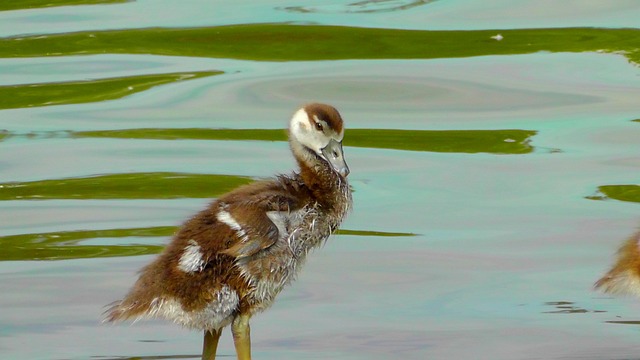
x=506 y=248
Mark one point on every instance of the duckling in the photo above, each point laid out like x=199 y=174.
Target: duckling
x=232 y=259
x=624 y=276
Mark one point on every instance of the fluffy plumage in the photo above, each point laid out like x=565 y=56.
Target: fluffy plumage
x=624 y=276
x=232 y=259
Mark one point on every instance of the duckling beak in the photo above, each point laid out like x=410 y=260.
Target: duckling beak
x=333 y=154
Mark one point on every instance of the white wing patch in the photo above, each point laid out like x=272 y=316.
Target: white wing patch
x=225 y=217
x=279 y=220
x=191 y=259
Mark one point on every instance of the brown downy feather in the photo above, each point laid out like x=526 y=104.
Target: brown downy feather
x=624 y=276
x=234 y=257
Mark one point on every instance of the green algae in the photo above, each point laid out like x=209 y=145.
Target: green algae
x=65 y=245
x=282 y=42
x=34 y=4
x=510 y=141
x=629 y=193
x=160 y=185
x=187 y=134
x=362 y=7
x=623 y=322
x=372 y=233
x=70 y=250
x=77 y=92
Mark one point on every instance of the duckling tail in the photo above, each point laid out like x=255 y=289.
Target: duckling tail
x=624 y=276
x=120 y=311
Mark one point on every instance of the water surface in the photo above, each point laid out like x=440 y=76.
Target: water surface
x=493 y=180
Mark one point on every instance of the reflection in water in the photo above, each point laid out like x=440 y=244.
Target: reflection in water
x=624 y=322
x=366 y=6
x=157 y=357
x=568 y=307
x=392 y=344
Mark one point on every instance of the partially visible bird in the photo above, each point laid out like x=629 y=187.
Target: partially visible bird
x=624 y=276
x=231 y=260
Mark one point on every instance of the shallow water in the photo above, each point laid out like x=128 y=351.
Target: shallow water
x=466 y=241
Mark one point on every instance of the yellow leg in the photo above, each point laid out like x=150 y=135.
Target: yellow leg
x=242 y=337
x=210 y=344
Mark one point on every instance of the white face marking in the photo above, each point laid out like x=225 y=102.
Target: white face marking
x=320 y=123
x=311 y=137
x=337 y=137
x=307 y=135
x=225 y=217
x=191 y=259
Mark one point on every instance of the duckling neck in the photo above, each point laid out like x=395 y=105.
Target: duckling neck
x=327 y=188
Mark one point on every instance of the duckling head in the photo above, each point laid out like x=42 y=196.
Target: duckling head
x=315 y=134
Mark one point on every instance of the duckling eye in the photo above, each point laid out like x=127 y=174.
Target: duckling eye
x=319 y=126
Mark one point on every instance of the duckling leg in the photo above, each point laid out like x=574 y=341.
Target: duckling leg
x=241 y=336
x=210 y=346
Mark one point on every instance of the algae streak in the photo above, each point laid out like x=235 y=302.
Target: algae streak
x=629 y=193
x=34 y=4
x=77 y=92
x=281 y=42
x=124 y=186
x=65 y=245
x=502 y=141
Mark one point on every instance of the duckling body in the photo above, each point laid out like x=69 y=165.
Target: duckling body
x=624 y=276
x=232 y=259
